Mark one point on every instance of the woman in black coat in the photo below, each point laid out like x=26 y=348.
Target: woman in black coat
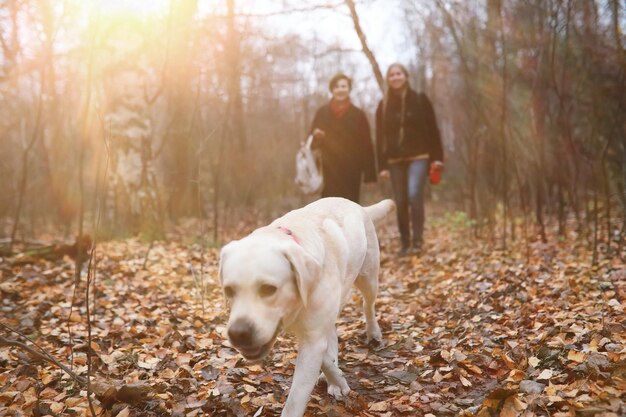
x=342 y=133
x=408 y=145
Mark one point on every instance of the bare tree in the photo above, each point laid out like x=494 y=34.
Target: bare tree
x=35 y=135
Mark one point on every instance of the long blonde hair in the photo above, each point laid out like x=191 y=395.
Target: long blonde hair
x=402 y=96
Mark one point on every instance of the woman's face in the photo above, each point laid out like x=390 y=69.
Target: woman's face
x=396 y=78
x=341 y=90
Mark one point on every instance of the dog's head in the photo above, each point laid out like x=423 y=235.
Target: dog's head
x=265 y=283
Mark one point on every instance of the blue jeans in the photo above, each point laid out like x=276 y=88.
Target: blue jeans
x=407 y=180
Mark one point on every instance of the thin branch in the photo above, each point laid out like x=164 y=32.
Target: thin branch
x=44 y=355
x=84 y=117
x=92 y=264
x=295 y=10
x=336 y=51
x=90 y=273
x=455 y=36
x=5 y=46
x=366 y=49
x=166 y=138
x=145 y=258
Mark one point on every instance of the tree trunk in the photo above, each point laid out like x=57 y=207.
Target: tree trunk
x=132 y=203
x=182 y=178
x=607 y=195
x=495 y=7
x=233 y=57
x=621 y=63
x=594 y=256
x=366 y=49
x=37 y=132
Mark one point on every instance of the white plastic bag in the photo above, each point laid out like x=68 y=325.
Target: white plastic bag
x=309 y=169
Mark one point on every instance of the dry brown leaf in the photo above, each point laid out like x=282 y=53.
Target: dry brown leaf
x=57 y=407
x=508 y=411
x=437 y=377
x=465 y=381
x=516 y=376
x=575 y=356
x=546 y=374
x=379 y=406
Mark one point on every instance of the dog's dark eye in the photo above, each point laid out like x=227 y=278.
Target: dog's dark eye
x=229 y=292
x=267 y=290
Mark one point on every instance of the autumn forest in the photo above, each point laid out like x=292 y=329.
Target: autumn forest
x=138 y=137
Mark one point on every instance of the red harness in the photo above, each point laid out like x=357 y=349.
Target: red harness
x=289 y=233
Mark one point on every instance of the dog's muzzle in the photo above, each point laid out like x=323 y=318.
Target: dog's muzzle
x=241 y=334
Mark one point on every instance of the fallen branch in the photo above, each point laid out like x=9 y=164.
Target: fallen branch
x=106 y=391
x=44 y=356
x=56 y=252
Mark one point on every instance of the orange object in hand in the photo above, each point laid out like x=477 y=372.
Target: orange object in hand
x=435 y=173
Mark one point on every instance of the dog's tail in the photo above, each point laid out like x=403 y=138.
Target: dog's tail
x=380 y=210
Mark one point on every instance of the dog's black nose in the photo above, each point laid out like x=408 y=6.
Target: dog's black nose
x=241 y=332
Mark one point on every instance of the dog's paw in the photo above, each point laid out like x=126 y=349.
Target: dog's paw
x=375 y=338
x=338 y=392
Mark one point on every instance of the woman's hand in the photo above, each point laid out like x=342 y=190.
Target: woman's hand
x=384 y=174
x=438 y=165
x=318 y=134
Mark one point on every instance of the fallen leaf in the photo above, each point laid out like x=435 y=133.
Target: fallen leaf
x=545 y=374
x=576 y=356
x=379 y=406
x=437 y=377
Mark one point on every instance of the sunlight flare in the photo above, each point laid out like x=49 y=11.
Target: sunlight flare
x=138 y=8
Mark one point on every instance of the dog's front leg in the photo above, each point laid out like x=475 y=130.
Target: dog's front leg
x=308 y=365
x=337 y=385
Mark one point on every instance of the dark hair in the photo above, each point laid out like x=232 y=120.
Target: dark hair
x=338 y=77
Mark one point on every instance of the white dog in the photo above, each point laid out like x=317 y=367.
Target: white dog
x=295 y=275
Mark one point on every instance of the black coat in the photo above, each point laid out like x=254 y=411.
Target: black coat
x=347 y=152
x=421 y=134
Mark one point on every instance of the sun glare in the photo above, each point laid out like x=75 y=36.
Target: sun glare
x=139 y=8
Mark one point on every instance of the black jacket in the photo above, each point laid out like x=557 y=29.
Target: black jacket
x=421 y=134
x=347 y=151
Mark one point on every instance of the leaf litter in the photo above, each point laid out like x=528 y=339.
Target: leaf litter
x=468 y=331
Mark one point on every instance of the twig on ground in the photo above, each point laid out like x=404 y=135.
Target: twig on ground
x=145 y=258
x=43 y=355
x=91 y=272
x=199 y=283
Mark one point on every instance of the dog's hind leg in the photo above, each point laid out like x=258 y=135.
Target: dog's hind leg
x=337 y=384
x=369 y=289
x=367 y=284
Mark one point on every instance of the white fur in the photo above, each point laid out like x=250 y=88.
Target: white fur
x=333 y=245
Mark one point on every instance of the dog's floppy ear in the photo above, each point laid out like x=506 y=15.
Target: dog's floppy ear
x=306 y=270
x=223 y=255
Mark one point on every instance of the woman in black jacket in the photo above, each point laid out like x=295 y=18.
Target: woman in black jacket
x=342 y=132
x=408 y=143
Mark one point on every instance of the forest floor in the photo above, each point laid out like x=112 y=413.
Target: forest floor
x=468 y=330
